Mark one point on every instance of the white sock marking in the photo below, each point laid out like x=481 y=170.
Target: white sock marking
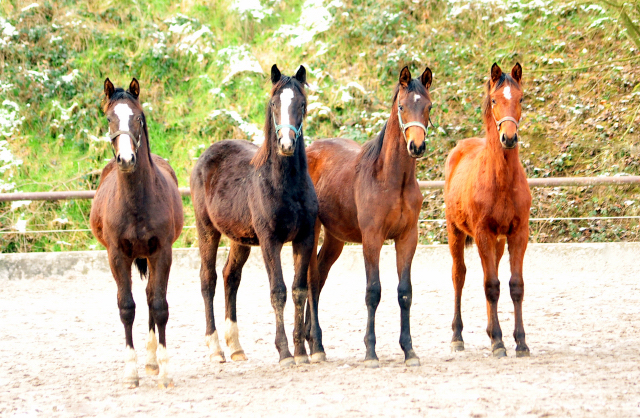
x=215 y=351
x=130 y=364
x=124 y=112
x=152 y=346
x=507 y=93
x=163 y=362
x=285 y=102
x=416 y=97
x=231 y=335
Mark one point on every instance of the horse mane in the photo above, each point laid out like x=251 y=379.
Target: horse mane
x=486 y=103
x=264 y=152
x=122 y=94
x=371 y=149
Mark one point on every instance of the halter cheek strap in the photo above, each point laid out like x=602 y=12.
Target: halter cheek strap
x=298 y=130
x=405 y=126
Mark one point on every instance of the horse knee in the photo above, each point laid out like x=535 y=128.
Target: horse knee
x=372 y=297
x=279 y=297
x=160 y=311
x=299 y=296
x=492 y=290
x=127 y=311
x=516 y=287
x=404 y=295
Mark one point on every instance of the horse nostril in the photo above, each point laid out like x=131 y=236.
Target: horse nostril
x=118 y=159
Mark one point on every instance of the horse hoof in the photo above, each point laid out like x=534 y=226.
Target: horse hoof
x=166 y=383
x=523 y=353
x=500 y=352
x=239 y=356
x=412 y=362
x=457 y=346
x=217 y=358
x=318 y=357
x=302 y=359
x=287 y=362
x=131 y=383
x=152 y=369
x=372 y=364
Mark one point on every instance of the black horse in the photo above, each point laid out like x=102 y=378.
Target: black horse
x=258 y=196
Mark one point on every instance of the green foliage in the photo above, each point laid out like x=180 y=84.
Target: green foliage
x=580 y=75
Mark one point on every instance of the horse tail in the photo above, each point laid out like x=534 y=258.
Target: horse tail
x=468 y=241
x=141 y=265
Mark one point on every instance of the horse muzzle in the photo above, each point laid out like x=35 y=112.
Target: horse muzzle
x=509 y=142
x=416 y=151
x=126 y=166
x=287 y=145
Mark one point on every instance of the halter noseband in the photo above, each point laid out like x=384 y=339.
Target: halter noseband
x=506 y=118
x=405 y=126
x=298 y=131
x=136 y=143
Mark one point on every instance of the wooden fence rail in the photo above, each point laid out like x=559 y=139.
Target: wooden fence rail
x=424 y=185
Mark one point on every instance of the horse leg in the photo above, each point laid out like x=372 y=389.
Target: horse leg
x=456 y=247
x=159 y=268
x=318 y=271
x=232 y=272
x=151 y=365
x=517 y=247
x=405 y=249
x=371 y=246
x=271 y=253
x=302 y=251
x=487 y=247
x=121 y=270
x=209 y=238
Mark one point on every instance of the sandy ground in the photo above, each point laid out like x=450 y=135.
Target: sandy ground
x=62 y=349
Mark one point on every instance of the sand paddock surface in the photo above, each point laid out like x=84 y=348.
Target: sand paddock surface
x=62 y=343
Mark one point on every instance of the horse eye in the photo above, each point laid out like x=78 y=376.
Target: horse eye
x=493 y=101
x=521 y=99
x=400 y=107
x=109 y=120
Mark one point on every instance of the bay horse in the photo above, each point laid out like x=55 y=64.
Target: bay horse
x=368 y=194
x=487 y=199
x=258 y=196
x=137 y=215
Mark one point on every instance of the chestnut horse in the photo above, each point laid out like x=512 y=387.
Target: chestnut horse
x=137 y=215
x=368 y=194
x=258 y=196
x=487 y=197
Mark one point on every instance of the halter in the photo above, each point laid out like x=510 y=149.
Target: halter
x=405 y=126
x=136 y=144
x=298 y=130
x=506 y=118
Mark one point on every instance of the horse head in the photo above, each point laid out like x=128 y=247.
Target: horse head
x=126 y=123
x=288 y=107
x=505 y=100
x=414 y=105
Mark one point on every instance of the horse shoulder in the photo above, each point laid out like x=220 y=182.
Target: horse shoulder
x=165 y=168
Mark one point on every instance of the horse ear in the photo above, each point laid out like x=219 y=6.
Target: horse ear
x=301 y=75
x=108 y=88
x=134 y=88
x=496 y=72
x=405 y=77
x=275 y=74
x=516 y=72
x=426 y=77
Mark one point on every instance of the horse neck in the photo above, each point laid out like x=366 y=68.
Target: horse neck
x=134 y=186
x=394 y=163
x=503 y=161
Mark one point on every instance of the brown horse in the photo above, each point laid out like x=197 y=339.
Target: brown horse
x=487 y=198
x=258 y=196
x=369 y=194
x=137 y=215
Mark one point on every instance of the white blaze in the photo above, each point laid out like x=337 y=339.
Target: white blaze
x=507 y=93
x=285 y=102
x=124 y=112
x=416 y=97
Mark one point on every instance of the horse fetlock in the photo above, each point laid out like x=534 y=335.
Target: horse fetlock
x=215 y=351
x=232 y=338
